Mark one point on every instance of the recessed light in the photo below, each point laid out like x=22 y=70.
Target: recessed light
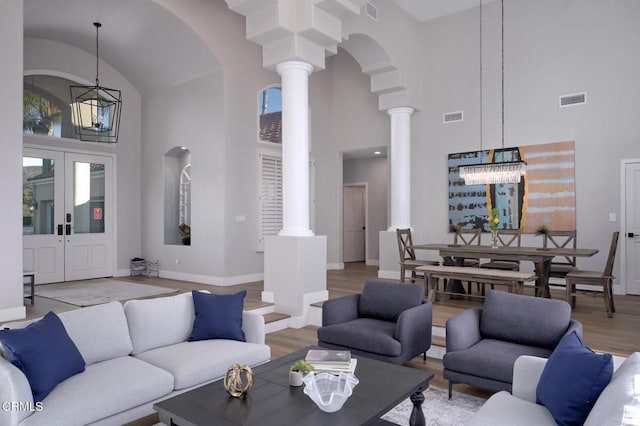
x=377 y=153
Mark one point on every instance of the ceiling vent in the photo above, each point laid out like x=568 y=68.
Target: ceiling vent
x=451 y=117
x=574 y=99
x=371 y=11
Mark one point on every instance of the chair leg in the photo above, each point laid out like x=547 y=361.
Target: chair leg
x=607 y=299
x=450 y=389
x=402 y=272
x=424 y=357
x=613 y=306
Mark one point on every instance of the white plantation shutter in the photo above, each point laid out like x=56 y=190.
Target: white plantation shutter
x=270 y=195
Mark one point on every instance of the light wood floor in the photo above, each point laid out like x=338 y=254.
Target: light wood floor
x=619 y=335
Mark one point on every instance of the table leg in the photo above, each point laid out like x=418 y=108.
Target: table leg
x=454 y=286
x=543 y=268
x=417 y=416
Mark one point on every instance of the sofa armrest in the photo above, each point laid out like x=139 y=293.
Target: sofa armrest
x=339 y=310
x=253 y=327
x=574 y=326
x=463 y=329
x=14 y=388
x=413 y=328
x=526 y=375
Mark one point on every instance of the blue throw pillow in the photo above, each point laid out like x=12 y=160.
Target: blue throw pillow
x=218 y=316
x=572 y=380
x=44 y=352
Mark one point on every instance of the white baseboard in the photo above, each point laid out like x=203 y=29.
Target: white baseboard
x=212 y=280
x=372 y=262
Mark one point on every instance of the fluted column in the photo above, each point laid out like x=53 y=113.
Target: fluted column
x=295 y=147
x=400 y=168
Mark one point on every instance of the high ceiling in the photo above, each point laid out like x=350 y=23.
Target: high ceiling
x=426 y=10
x=147 y=44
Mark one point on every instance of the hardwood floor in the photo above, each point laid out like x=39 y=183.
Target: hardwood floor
x=618 y=335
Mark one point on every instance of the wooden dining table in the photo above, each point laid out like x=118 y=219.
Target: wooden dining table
x=454 y=255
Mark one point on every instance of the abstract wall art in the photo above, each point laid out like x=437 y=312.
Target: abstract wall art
x=545 y=197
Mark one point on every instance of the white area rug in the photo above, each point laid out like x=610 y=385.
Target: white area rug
x=438 y=410
x=95 y=292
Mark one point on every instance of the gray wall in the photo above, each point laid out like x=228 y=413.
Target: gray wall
x=552 y=48
x=375 y=173
x=11 y=40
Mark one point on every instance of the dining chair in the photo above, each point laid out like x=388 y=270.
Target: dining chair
x=506 y=238
x=408 y=261
x=468 y=237
x=601 y=278
x=561 y=265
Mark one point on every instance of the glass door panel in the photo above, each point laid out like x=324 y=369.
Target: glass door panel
x=88 y=198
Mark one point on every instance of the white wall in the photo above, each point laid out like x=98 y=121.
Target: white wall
x=551 y=48
x=187 y=115
x=68 y=61
x=344 y=118
x=375 y=173
x=11 y=41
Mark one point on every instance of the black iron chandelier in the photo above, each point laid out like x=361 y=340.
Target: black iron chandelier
x=95 y=110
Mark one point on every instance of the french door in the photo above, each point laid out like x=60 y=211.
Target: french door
x=67 y=215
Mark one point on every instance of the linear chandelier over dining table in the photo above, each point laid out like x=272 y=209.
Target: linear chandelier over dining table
x=493 y=173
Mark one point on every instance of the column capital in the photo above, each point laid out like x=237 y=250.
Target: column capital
x=289 y=65
x=400 y=110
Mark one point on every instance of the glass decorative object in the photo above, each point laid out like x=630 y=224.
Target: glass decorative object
x=329 y=391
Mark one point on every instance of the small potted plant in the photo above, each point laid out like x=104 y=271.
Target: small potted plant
x=297 y=371
x=185 y=231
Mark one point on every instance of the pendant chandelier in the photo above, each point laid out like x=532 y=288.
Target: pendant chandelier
x=493 y=173
x=95 y=111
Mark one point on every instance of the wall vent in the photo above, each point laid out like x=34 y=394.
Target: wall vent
x=574 y=99
x=371 y=11
x=450 y=117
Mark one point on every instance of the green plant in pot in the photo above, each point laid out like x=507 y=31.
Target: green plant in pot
x=185 y=231
x=297 y=371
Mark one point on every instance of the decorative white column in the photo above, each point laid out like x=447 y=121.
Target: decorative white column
x=400 y=168
x=295 y=148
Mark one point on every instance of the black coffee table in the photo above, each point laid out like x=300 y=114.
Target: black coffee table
x=271 y=401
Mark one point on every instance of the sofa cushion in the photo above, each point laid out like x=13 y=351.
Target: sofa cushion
x=387 y=300
x=218 y=316
x=619 y=402
x=504 y=409
x=44 y=352
x=103 y=389
x=522 y=319
x=572 y=380
x=192 y=363
x=491 y=359
x=100 y=332
x=365 y=334
x=159 y=322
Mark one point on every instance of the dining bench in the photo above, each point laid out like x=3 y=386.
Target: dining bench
x=512 y=279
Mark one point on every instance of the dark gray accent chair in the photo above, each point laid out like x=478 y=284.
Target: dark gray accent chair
x=483 y=343
x=388 y=321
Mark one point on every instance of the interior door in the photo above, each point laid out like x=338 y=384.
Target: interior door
x=42 y=214
x=632 y=233
x=353 y=223
x=88 y=219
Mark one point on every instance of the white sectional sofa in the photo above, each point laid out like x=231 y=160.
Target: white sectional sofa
x=135 y=355
x=618 y=404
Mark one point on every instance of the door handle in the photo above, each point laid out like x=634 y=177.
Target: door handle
x=68 y=217
x=60 y=230
x=68 y=230
x=631 y=235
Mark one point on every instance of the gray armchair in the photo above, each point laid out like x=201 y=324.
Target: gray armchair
x=483 y=343
x=388 y=321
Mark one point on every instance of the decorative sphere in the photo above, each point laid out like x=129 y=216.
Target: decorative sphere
x=238 y=380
